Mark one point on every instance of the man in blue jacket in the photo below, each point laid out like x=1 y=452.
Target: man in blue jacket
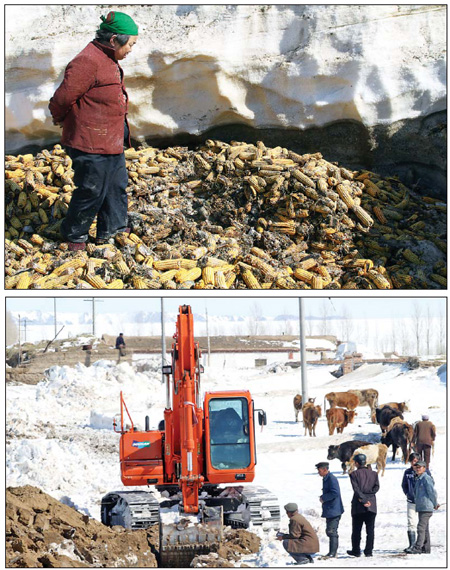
x=332 y=507
x=425 y=498
x=408 y=484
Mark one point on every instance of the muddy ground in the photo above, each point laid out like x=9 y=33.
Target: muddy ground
x=41 y=532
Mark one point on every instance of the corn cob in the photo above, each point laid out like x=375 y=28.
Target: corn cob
x=11 y=281
x=96 y=281
x=442 y=281
x=208 y=275
x=371 y=188
x=378 y=280
x=250 y=280
x=267 y=270
x=344 y=195
x=411 y=257
x=167 y=264
x=379 y=214
x=53 y=283
x=363 y=216
x=116 y=284
x=24 y=280
x=317 y=282
x=303 y=275
x=122 y=267
x=303 y=178
x=219 y=280
x=289 y=283
x=72 y=264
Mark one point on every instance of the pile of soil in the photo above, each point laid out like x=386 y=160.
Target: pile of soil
x=42 y=532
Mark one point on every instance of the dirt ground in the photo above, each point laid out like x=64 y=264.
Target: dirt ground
x=41 y=532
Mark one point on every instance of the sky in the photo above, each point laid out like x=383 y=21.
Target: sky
x=270 y=306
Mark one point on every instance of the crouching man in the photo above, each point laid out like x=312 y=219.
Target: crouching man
x=301 y=541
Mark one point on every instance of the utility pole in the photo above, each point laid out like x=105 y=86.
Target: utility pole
x=20 y=346
x=303 y=351
x=207 y=337
x=163 y=341
x=25 y=330
x=93 y=301
x=54 y=311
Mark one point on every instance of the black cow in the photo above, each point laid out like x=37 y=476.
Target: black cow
x=344 y=451
x=400 y=435
x=384 y=416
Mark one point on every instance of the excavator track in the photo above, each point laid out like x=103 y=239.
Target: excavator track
x=130 y=509
x=263 y=506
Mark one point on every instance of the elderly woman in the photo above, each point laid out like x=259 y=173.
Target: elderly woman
x=91 y=105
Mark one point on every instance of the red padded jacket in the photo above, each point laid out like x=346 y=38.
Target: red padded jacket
x=91 y=102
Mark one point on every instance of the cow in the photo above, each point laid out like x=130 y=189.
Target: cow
x=374 y=452
x=344 y=451
x=400 y=406
x=298 y=404
x=399 y=434
x=368 y=397
x=343 y=399
x=311 y=414
x=384 y=416
x=339 y=418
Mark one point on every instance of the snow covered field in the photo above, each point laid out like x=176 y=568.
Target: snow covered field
x=60 y=438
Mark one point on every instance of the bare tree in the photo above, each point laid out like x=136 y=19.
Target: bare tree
x=255 y=319
x=394 y=325
x=309 y=325
x=429 y=329
x=417 y=326
x=442 y=327
x=324 y=314
x=287 y=325
x=12 y=334
x=347 y=324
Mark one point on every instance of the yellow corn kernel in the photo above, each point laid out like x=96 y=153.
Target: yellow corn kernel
x=303 y=275
x=344 y=195
x=167 y=264
x=24 y=280
x=208 y=275
x=378 y=280
x=72 y=264
x=168 y=275
x=200 y=284
x=96 y=281
x=363 y=216
x=191 y=274
x=122 y=267
x=250 y=280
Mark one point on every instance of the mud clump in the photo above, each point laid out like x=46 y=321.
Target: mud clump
x=236 y=543
x=44 y=533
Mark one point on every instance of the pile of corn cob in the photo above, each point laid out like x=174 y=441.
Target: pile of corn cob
x=228 y=216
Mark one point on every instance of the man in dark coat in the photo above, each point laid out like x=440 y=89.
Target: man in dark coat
x=301 y=541
x=424 y=436
x=364 y=505
x=120 y=345
x=332 y=507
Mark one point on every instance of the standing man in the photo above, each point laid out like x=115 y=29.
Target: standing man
x=424 y=436
x=426 y=501
x=408 y=484
x=364 y=505
x=120 y=345
x=301 y=541
x=332 y=507
x=91 y=106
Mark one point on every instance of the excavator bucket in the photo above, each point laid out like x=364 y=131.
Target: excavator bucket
x=181 y=541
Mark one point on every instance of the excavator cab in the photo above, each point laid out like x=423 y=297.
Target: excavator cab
x=229 y=437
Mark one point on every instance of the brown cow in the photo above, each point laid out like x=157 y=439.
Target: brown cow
x=343 y=399
x=298 y=404
x=368 y=397
x=400 y=406
x=311 y=414
x=339 y=418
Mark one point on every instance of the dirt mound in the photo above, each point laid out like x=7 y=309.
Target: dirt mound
x=42 y=532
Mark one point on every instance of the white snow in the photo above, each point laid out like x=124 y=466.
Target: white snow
x=60 y=438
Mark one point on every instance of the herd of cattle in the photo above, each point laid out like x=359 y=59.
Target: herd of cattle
x=395 y=431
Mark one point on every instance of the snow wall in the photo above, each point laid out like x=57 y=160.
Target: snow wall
x=364 y=85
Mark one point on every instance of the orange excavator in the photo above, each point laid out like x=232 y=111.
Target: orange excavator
x=197 y=447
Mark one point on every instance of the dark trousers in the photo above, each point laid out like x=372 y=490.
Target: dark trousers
x=332 y=526
x=297 y=556
x=358 y=521
x=424 y=451
x=101 y=181
x=423 y=532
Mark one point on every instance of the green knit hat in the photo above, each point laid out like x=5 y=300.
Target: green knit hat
x=119 y=23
